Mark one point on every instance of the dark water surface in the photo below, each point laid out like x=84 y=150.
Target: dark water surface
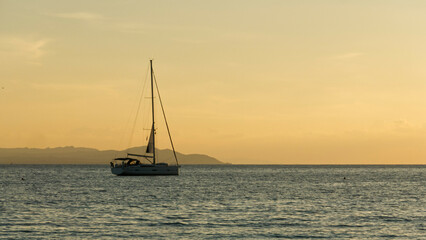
x=244 y=202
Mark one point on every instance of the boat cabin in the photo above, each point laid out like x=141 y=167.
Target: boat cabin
x=129 y=162
x=124 y=162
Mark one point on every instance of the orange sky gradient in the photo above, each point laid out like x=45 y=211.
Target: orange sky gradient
x=247 y=82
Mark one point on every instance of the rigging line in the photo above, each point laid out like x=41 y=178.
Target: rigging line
x=145 y=117
x=164 y=115
x=121 y=140
x=132 y=133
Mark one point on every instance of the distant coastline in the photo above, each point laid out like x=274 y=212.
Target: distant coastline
x=81 y=155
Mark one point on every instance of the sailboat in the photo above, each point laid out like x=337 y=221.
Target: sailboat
x=132 y=165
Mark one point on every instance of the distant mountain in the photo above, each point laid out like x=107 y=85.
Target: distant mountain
x=79 y=155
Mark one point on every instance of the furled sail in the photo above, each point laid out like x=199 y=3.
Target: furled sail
x=150 y=146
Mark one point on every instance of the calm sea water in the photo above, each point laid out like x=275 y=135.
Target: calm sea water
x=242 y=202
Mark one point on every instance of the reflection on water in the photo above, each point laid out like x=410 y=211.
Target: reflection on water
x=88 y=202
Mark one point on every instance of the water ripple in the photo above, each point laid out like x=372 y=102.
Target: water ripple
x=218 y=202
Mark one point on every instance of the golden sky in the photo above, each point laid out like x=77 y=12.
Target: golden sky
x=264 y=82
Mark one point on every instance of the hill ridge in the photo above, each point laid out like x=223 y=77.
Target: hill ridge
x=84 y=155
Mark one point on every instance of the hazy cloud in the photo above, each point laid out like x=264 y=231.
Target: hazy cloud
x=130 y=27
x=401 y=123
x=84 y=16
x=66 y=87
x=104 y=22
x=30 y=50
x=349 y=55
x=406 y=126
x=121 y=25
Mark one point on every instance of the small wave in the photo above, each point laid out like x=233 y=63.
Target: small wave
x=394 y=219
x=23 y=231
x=390 y=236
x=100 y=190
x=279 y=219
x=347 y=226
x=168 y=224
x=175 y=217
x=175 y=224
x=292 y=236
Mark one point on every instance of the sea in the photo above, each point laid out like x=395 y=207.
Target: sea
x=214 y=202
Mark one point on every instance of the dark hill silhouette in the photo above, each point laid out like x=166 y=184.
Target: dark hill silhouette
x=80 y=155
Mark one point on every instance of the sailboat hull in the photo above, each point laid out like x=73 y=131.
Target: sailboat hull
x=145 y=170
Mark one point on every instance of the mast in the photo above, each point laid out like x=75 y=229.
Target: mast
x=152 y=104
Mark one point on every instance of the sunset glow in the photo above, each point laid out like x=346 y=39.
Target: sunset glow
x=247 y=82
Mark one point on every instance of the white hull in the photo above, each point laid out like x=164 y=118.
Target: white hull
x=145 y=169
